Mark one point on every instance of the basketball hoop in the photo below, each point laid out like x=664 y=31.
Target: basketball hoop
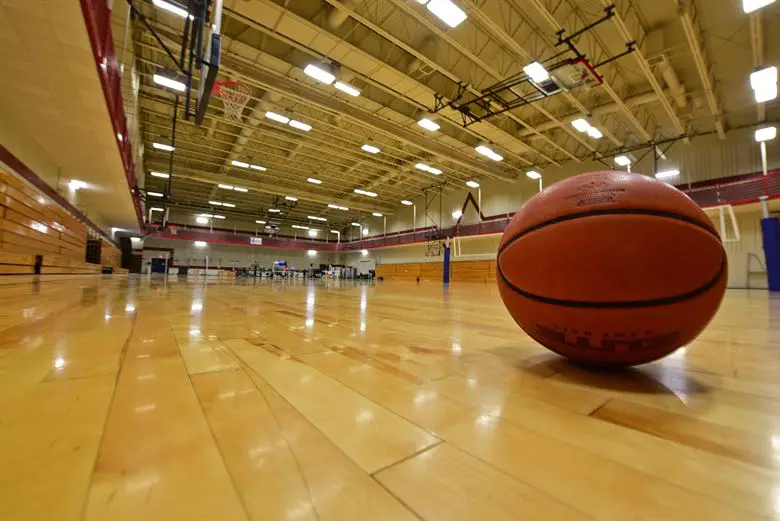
x=234 y=97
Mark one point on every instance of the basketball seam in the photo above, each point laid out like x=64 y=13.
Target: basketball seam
x=612 y=211
x=613 y=304
x=617 y=304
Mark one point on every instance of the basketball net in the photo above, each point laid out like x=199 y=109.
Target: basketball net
x=234 y=98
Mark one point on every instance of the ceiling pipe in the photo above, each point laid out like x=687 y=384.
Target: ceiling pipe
x=676 y=88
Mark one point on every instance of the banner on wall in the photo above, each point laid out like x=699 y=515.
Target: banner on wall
x=256 y=241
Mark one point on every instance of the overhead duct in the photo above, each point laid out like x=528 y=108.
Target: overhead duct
x=676 y=88
x=338 y=16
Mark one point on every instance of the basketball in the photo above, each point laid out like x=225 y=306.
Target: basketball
x=611 y=268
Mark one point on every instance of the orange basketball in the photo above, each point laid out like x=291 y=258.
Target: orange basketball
x=611 y=268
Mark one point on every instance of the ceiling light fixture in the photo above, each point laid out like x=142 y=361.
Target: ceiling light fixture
x=407 y=203
x=319 y=74
x=457 y=214
x=215 y=203
x=337 y=207
x=159 y=174
x=274 y=210
x=347 y=88
x=765 y=134
x=239 y=189
x=622 y=160
x=533 y=174
x=472 y=184
x=595 y=133
x=429 y=124
x=580 y=124
x=748 y=6
x=259 y=221
x=168 y=82
x=313 y=232
x=427 y=168
x=371 y=149
x=161 y=146
x=228 y=205
x=376 y=214
x=364 y=192
x=764 y=84
x=667 y=174
x=316 y=218
x=300 y=125
x=314 y=181
x=178 y=11
x=258 y=167
x=154 y=194
x=536 y=72
x=202 y=220
x=290 y=198
x=356 y=224
x=225 y=187
x=447 y=12
x=299 y=227
x=75 y=184
x=488 y=152
x=157 y=209
x=277 y=117
x=239 y=164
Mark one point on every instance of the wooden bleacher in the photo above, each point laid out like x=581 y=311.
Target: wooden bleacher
x=460 y=271
x=32 y=225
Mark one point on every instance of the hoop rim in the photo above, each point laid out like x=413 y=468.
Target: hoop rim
x=217 y=88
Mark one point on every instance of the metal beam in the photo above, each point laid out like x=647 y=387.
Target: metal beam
x=757 y=45
x=687 y=12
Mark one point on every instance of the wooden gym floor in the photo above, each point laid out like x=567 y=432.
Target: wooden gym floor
x=142 y=400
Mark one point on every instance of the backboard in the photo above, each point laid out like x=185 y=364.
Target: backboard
x=210 y=64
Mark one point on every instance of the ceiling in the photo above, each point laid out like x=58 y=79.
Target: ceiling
x=50 y=90
x=689 y=75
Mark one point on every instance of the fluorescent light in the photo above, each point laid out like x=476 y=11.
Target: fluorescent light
x=319 y=74
x=159 y=174
x=335 y=231
x=337 y=207
x=427 y=168
x=219 y=217
x=239 y=163
x=764 y=84
x=215 y=203
x=316 y=218
x=277 y=117
x=347 y=88
x=168 y=82
x=488 y=152
x=290 y=198
x=76 y=184
x=667 y=174
x=299 y=227
x=155 y=209
x=313 y=233
x=154 y=194
x=447 y=12
x=356 y=224
x=595 y=133
x=622 y=160
x=457 y=214
x=229 y=205
x=299 y=125
x=259 y=222
x=407 y=203
x=371 y=149
x=207 y=215
x=311 y=253
x=472 y=184
x=533 y=174
x=748 y=6
x=766 y=134
x=160 y=146
x=580 y=124
x=429 y=124
x=274 y=210
x=202 y=220
x=239 y=189
x=258 y=167
x=376 y=214
x=364 y=192
x=178 y=11
x=200 y=244
x=314 y=181
x=536 y=72
x=226 y=187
